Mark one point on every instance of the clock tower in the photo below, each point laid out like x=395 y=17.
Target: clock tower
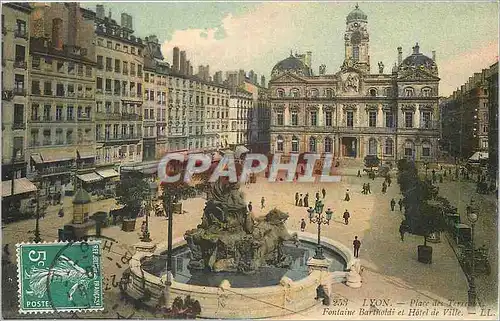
x=356 y=41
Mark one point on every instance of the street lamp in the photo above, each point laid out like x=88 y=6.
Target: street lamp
x=319 y=219
x=153 y=187
x=472 y=217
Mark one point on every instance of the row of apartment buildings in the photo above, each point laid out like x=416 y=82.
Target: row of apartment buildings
x=83 y=95
x=470 y=118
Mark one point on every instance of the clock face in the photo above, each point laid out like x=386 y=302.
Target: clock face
x=356 y=38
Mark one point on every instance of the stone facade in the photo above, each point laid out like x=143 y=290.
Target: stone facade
x=15 y=80
x=493 y=122
x=62 y=102
x=240 y=108
x=353 y=113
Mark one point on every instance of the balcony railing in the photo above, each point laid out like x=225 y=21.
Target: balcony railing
x=84 y=118
x=19 y=92
x=20 y=34
x=126 y=116
x=48 y=93
x=55 y=170
x=18 y=125
x=119 y=138
x=107 y=116
x=20 y=64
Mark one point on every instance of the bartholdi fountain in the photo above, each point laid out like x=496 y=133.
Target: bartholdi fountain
x=232 y=258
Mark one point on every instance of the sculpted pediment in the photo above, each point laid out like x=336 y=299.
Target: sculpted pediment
x=288 y=77
x=415 y=74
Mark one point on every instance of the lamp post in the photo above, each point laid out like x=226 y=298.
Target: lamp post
x=154 y=189
x=472 y=296
x=37 y=238
x=320 y=220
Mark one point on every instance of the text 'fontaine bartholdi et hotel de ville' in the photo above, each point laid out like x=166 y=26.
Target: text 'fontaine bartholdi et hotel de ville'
x=354 y=113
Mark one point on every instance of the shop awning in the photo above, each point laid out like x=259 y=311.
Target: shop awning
x=58 y=156
x=107 y=173
x=89 y=177
x=85 y=153
x=37 y=158
x=21 y=186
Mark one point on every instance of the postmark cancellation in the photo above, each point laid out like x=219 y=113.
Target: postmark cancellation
x=60 y=277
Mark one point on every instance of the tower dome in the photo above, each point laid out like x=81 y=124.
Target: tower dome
x=291 y=64
x=356 y=14
x=417 y=60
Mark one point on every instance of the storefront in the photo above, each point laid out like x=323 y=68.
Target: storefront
x=19 y=204
x=110 y=178
x=54 y=171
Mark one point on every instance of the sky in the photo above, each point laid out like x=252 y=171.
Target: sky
x=257 y=35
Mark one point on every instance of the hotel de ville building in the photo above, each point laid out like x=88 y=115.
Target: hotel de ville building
x=353 y=112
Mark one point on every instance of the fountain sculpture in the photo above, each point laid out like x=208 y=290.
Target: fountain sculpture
x=230 y=239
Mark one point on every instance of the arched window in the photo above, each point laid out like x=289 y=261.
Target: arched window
x=387 y=92
x=328 y=145
x=409 y=92
x=426 y=149
x=312 y=144
x=280 y=93
x=329 y=93
x=388 y=147
x=355 y=53
x=409 y=148
x=295 y=93
x=279 y=143
x=372 y=146
x=295 y=144
x=426 y=92
x=314 y=93
x=373 y=92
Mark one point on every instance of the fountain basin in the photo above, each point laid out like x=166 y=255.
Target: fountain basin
x=224 y=300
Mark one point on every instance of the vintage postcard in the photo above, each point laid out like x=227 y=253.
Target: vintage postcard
x=250 y=160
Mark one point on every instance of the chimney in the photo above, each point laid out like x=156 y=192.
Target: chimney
x=434 y=55
x=57 y=37
x=188 y=67
x=200 y=71
x=99 y=10
x=207 y=73
x=190 y=70
x=263 y=81
x=309 y=59
x=400 y=55
x=73 y=10
x=182 y=68
x=175 y=62
x=416 y=49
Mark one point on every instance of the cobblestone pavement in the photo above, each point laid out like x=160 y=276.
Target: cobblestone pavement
x=391 y=267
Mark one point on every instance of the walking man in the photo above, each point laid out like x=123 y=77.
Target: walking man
x=400 y=203
x=402 y=231
x=302 y=225
x=357 y=244
x=347 y=197
x=262 y=202
x=300 y=201
x=250 y=206
x=346 y=217
x=359 y=173
x=364 y=188
x=317 y=195
x=384 y=187
x=393 y=204
x=306 y=200
x=368 y=188
x=323 y=191
x=297 y=199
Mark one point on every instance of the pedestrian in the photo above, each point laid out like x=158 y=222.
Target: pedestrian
x=323 y=191
x=393 y=204
x=143 y=227
x=297 y=199
x=440 y=178
x=364 y=188
x=357 y=244
x=250 y=206
x=389 y=181
x=402 y=231
x=306 y=200
x=368 y=188
x=400 y=203
x=347 y=197
x=346 y=217
x=302 y=225
x=262 y=202
x=300 y=201
x=317 y=195
x=61 y=212
x=433 y=175
x=359 y=173
x=384 y=187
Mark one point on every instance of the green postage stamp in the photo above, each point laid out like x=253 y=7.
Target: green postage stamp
x=59 y=277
